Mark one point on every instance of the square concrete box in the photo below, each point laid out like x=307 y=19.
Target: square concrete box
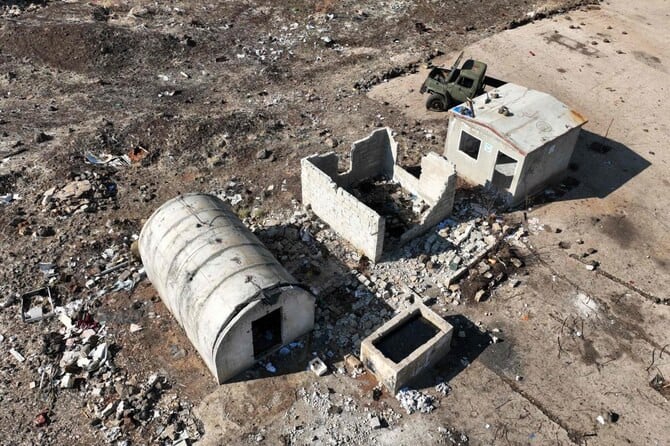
x=406 y=345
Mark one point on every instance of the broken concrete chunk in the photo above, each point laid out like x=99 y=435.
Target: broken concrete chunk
x=37 y=305
x=317 y=366
x=414 y=401
x=75 y=189
x=65 y=320
x=18 y=356
x=100 y=352
x=67 y=381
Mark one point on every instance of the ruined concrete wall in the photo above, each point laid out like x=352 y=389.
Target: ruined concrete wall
x=436 y=186
x=371 y=157
x=326 y=191
x=350 y=218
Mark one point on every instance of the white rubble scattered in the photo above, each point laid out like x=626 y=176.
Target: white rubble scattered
x=415 y=401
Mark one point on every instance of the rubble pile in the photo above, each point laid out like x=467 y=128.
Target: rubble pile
x=87 y=192
x=340 y=419
x=16 y=8
x=415 y=401
x=79 y=348
x=353 y=302
x=343 y=325
x=452 y=437
x=117 y=403
x=399 y=208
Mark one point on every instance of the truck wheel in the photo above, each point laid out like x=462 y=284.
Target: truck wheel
x=435 y=103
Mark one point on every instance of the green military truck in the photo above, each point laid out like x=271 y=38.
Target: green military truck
x=451 y=86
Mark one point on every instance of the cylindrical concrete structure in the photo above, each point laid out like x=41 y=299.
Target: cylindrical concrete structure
x=234 y=300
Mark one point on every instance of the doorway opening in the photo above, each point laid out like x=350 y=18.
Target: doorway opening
x=503 y=173
x=266 y=332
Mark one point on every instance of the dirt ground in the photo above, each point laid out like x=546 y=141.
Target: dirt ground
x=226 y=97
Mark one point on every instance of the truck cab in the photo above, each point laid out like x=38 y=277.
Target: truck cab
x=450 y=87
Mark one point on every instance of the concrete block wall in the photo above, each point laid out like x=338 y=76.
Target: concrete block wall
x=436 y=186
x=371 y=157
x=325 y=190
x=350 y=218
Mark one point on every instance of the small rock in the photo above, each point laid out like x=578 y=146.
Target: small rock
x=263 y=154
x=352 y=362
x=45 y=231
x=331 y=142
x=516 y=262
x=139 y=11
x=74 y=189
x=41 y=419
x=591 y=265
x=41 y=137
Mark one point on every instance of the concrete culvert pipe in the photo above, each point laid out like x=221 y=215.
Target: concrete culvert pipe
x=234 y=300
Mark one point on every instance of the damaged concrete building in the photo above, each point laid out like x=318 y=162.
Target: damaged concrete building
x=516 y=139
x=234 y=300
x=339 y=199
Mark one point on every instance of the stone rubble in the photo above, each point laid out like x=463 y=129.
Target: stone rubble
x=414 y=401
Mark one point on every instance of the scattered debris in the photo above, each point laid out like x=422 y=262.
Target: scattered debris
x=659 y=383
x=107 y=159
x=37 y=305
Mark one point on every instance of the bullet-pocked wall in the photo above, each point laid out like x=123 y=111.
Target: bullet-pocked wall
x=235 y=301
